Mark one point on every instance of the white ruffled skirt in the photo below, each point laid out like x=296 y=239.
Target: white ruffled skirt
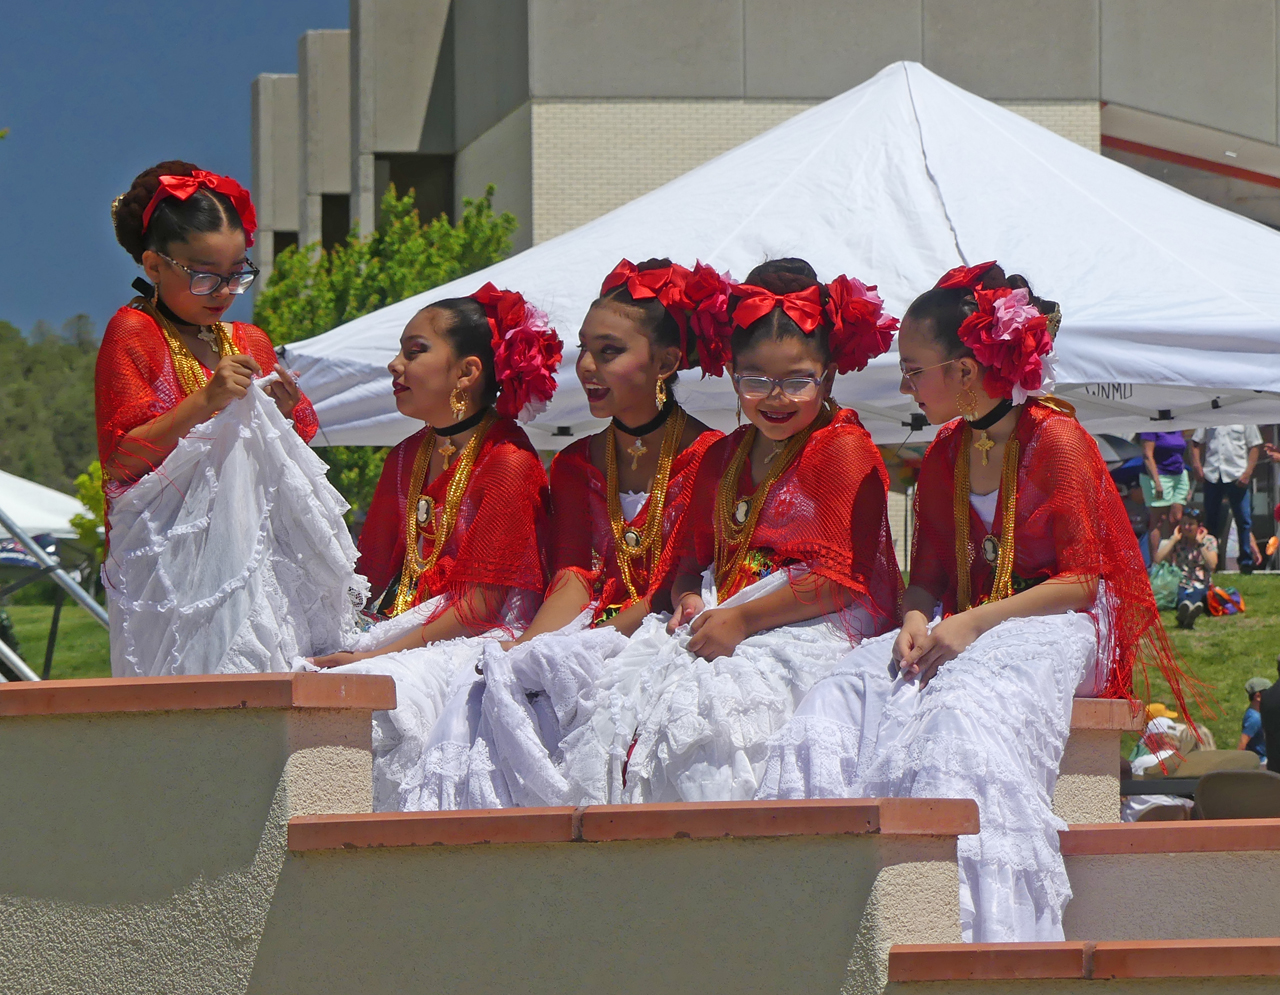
x=427 y=678
x=232 y=556
x=661 y=724
x=991 y=726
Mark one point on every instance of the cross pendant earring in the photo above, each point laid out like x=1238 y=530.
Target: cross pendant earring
x=635 y=451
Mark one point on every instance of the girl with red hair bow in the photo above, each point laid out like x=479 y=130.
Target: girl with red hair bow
x=453 y=542
x=784 y=558
x=168 y=364
x=1024 y=551
x=617 y=498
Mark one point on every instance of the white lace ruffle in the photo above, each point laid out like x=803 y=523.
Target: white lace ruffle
x=232 y=556
x=688 y=729
x=428 y=681
x=990 y=726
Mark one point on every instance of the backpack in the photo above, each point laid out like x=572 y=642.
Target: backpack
x=1165 y=580
x=1228 y=602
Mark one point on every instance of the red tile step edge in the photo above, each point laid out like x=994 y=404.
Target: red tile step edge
x=1085 y=961
x=602 y=823
x=1209 y=836
x=210 y=691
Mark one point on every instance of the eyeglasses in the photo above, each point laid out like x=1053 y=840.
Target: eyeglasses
x=755 y=388
x=204 y=284
x=910 y=375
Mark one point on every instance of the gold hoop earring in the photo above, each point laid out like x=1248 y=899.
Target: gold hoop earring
x=660 y=394
x=458 y=403
x=968 y=405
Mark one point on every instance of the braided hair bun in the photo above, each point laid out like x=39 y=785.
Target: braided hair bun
x=172 y=220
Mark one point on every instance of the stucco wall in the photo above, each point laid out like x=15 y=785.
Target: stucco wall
x=696 y=916
x=142 y=850
x=1088 y=788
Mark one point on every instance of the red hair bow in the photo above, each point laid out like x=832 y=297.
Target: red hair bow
x=526 y=352
x=804 y=307
x=183 y=187
x=969 y=277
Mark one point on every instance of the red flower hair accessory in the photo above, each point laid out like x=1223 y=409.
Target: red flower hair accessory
x=183 y=187
x=706 y=300
x=1011 y=338
x=526 y=352
x=860 y=328
x=969 y=277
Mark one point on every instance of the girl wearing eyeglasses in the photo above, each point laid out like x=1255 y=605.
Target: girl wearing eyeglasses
x=1027 y=589
x=167 y=361
x=202 y=570
x=616 y=499
x=785 y=557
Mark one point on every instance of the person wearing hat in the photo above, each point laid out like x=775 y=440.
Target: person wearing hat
x=1269 y=711
x=1251 y=734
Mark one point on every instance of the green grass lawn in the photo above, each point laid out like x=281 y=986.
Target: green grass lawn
x=81 y=649
x=1222 y=652
x=1225 y=652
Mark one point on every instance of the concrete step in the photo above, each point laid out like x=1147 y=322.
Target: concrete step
x=1088 y=788
x=1172 y=880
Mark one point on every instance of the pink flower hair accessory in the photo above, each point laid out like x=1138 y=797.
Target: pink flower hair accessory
x=526 y=352
x=861 y=329
x=1014 y=343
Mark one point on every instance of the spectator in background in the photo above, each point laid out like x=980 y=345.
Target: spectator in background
x=1224 y=458
x=1251 y=734
x=1194 y=551
x=1269 y=710
x=1165 y=482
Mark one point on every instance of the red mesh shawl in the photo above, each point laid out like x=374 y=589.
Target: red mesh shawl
x=581 y=539
x=497 y=541
x=134 y=381
x=1069 y=521
x=828 y=511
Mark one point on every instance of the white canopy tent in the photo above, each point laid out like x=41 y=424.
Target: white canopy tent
x=36 y=509
x=1171 y=306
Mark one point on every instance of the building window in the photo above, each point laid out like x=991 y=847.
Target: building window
x=335 y=219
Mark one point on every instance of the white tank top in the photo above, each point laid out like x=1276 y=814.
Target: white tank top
x=985 y=506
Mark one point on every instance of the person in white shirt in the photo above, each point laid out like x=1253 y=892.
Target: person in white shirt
x=1224 y=459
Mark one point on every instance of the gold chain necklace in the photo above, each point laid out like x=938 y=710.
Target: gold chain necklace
x=420 y=510
x=735 y=519
x=630 y=545
x=191 y=375
x=999 y=552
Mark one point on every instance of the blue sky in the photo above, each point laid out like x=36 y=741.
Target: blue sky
x=92 y=94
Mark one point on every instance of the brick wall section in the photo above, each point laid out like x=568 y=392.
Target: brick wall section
x=590 y=156
x=1078 y=120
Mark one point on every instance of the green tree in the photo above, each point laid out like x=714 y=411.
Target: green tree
x=89 y=491
x=312 y=290
x=47 y=431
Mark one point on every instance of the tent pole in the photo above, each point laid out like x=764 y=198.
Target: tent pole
x=58 y=599
x=62 y=578
x=16 y=663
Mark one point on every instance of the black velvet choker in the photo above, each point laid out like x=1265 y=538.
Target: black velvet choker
x=462 y=426
x=652 y=425
x=992 y=416
x=149 y=292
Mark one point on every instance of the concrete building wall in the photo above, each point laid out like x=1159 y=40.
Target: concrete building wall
x=395 y=45
x=1210 y=63
x=274 y=154
x=324 y=102
x=503 y=156
x=491 y=65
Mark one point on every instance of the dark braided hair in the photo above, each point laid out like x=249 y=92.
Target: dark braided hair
x=173 y=220
x=944 y=309
x=781 y=276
